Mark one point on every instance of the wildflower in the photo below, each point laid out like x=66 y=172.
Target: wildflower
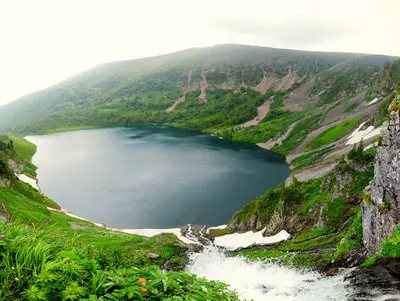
x=94 y=254
x=119 y=273
x=16 y=279
x=13 y=268
x=142 y=280
x=144 y=290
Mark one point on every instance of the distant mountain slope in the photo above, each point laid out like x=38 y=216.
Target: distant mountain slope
x=301 y=104
x=156 y=83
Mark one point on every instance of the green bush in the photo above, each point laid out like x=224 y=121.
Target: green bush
x=358 y=155
x=33 y=269
x=335 y=213
x=391 y=246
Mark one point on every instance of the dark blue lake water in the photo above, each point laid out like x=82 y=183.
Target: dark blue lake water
x=153 y=176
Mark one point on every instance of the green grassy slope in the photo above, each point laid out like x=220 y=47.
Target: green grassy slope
x=333 y=134
x=139 y=91
x=324 y=215
x=47 y=255
x=20 y=151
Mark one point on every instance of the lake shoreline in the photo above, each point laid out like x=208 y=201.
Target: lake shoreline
x=85 y=128
x=163 y=128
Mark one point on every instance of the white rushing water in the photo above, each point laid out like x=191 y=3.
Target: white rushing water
x=260 y=281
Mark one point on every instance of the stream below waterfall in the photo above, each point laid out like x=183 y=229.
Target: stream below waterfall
x=267 y=281
x=261 y=281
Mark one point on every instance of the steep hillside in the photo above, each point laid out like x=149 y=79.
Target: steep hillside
x=142 y=90
x=48 y=255
x=324 y=112
x=338 y=220
x=300 y=104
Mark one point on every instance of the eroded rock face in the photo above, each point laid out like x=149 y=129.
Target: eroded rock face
x=381 y=214
x=5 y=182
x=15 y=167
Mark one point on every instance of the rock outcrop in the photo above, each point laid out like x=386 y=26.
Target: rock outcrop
x=381 y=212
x=5 y=182
x=15 y=166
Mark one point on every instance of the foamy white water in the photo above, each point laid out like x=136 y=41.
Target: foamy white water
x=260 y=281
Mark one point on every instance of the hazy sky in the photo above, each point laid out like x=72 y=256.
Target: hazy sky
x=43 y=42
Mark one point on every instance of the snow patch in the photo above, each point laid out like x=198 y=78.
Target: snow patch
x=373 y=101
x=152 y=232
x=244 y=240
x=29 y=181
x=371 y=145
x=143 y=232
x=359 y=134
x=75 y=216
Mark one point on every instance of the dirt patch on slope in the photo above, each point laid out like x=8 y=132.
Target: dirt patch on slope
x=267 y=83
x=287 y=81
x=262 y=111
x=203 y=87
x=182 y=98
x=313 y=172
x=317 y=171
x=340 y=110
x=176 y=103
x=277 y=140
x=298 y=100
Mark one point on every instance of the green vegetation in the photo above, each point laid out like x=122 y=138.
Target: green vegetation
x=20 y=151
x=139 y=91
x=311 y=158
x=333 y=134
x=267 y=128
x=24 y=148
x=391 y=246
x=337 y=82
x=351 y=108
x=291 y=259
x=39 y=264
x=386 y=79
x=357 y=154
x=47 y=255
x=390 y=249
x=223 y=108
x=352 y=237
x=218 y=232
x=298 y=134
x=323 y=214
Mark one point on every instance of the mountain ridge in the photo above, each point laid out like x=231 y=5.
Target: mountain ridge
x=218 y=90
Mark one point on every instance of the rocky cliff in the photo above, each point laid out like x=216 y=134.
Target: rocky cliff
x=381 y=207
x=13 y=168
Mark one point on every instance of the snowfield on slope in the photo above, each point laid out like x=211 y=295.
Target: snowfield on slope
x=359 y=134
x=244 y=240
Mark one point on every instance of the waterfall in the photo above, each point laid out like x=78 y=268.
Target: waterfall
x=267 y=281
x=260 y=281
